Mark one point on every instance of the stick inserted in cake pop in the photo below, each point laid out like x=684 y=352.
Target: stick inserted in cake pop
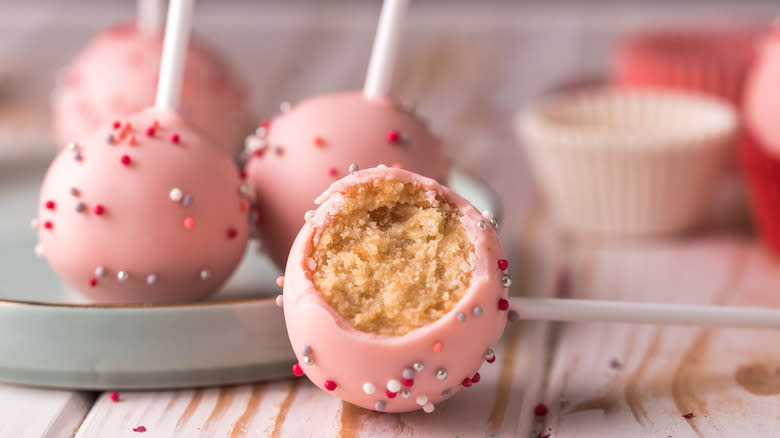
x=566 y=309
x=388 y=38
x=149 y=16
x=177 y=34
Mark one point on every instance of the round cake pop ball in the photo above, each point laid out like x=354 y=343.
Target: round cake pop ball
x=302 y=151
x=143 y=211
x=116 y=76
x=395 y=292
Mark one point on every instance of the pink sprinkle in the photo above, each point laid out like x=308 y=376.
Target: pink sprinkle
x=280 y=281
x=232 y=233
x=175 y=138
x=319 y=141
x=99 y=210
x=114 y=396
x=48 y=225
x=93 y=282
x=126 y=160
x=258 y=153
x=330 y=385
x=390 y=394
x=476 y=378
x=397 y=166
x=117 y=124
x=503 y=264
x=189 y=223
x=139 y=429
x=438 y=347
x=50 y=205
x=155 y=124
x=503 y=304
x=297 y=370
x=393 y=136
x=242 y=174
x=407 y=382
x=131 y=140
x=265 y=124
x=150 y=131
x=466 y=382
x=333 y=171
x=244 y=205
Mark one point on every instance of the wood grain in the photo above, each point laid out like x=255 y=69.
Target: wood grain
x=39 y=413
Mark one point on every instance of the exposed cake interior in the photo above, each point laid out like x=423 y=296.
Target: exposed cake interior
x=394 y=258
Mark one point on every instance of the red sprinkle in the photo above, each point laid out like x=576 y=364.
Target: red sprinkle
x=48 y=225
x=114 y=396
x=117 y=124
x=93 y=282
x=189 y=223
x=319 y=141
x=330 y=385
x=139 y=429
x=476 y=378
x=50 y=205
x=407 y=382
x=503 y=304
x=266 y=124
x=333 y=171
x=242 y=174
x=258 y=153
x=232 y=233
x=688 y=416
x=99 y=210
x=126 y=160
x=175 y=138
x=393 y=136
x=244 y=205
x=467 y=382
x=390 y=394
x=492 y=359
x=540 y=410
x=297 y=370
x=503 y=264
x=150 y=131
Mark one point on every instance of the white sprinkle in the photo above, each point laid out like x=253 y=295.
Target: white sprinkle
x=393 y=385
x=381 y=166
x=428 y=408
x=308 y=360
x=122 y=276
x=487 y=214
x=39 y=249
x=253 y=142
x=279 y=300
x=261 y=131
x=309 y=215
x=422 y=399
x=285 y=106
x=151 y=279
x=73 y=146
x=100 y=272
x=176 y=194
x=418 y=366
x=205 y=274
x=34 y=223
x=369 y=388
x=353 y=168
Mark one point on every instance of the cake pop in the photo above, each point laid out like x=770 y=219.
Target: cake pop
x=144 y=210
x=298 y=154
x=115 y=75
x=395 y=291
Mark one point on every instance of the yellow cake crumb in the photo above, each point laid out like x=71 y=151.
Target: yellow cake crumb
x=394 y=258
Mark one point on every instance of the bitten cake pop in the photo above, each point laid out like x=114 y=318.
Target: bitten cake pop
x=395 y=291
x=115 y=75
x=297 y=155
x=144 y=210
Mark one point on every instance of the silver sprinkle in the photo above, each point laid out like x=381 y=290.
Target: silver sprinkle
x=186 y=200
x=476 y=311
x=34 y=223
x=77 y=156
x=418 y=366
x=506 y=281
x=441 y=374
x=353 y=168
x=72 y=146
x=406 y=393
x=109 y=138
x=80 y=207
x=243 y=189
x=461 y=317
x=74 y=191
x=494 y=222
x=306 y=350
x=482 y=225
x=309 y=215
x=380 y=405
x=279 y=300
x=151 y=279
x=381 y=166
x=408 y=373
x=490 y=355
x=122 y=276
x=446 y=394
x=278 y=150
x=513 y=316
x=205 y=274
x=261 y=131
x=308 y=360
x=285 y=106
x=100 y=272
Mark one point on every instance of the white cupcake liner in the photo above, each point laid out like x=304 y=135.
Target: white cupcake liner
x=627 y=162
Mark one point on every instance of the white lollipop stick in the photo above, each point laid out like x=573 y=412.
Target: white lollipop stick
x=388 y=38
x=177 y=35
x=564 y=309
x=149 y=16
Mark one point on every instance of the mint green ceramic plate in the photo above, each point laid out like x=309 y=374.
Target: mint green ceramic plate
x=50 y=337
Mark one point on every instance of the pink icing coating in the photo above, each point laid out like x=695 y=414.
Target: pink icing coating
x=319 y=138
x=141 y=230
x=350 y=358
x=762 y=96
x=116 y=76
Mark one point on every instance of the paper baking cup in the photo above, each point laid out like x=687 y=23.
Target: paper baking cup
x=627 y=162
x=712 y=61
x=762 y=172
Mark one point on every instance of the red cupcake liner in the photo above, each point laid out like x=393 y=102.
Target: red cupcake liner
x=713 y=62
x=762 y=172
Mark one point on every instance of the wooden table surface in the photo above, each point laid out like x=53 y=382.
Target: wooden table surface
x=469 y=68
